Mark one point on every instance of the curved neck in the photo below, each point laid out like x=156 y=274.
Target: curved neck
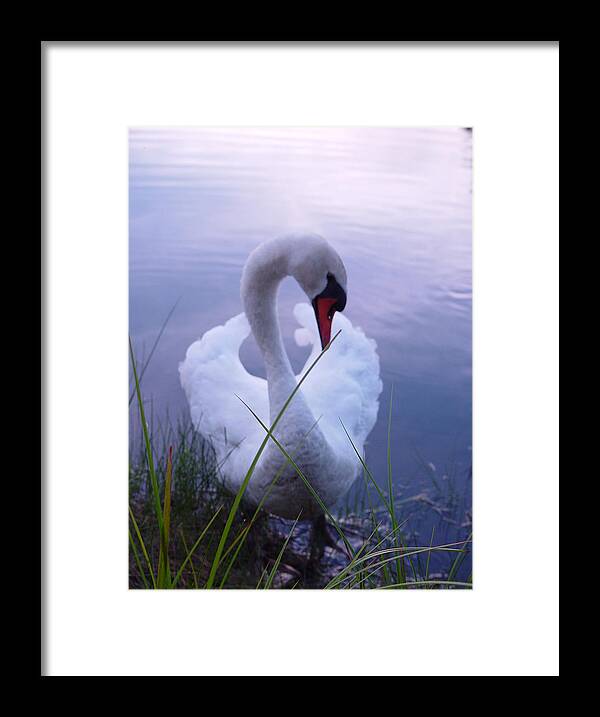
x=266 y=267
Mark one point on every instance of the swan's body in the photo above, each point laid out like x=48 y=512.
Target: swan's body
x=344 y=384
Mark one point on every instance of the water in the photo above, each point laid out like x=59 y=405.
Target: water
x=396 y=204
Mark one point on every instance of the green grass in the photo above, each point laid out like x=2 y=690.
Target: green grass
x=187 y=531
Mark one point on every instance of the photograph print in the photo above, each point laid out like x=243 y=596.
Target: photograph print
x=300 y=358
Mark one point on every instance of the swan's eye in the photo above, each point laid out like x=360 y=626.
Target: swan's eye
x=333 y=291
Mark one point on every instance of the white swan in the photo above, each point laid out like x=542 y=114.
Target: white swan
x=344 y=384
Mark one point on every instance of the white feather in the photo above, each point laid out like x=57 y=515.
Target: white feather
x=343 y=387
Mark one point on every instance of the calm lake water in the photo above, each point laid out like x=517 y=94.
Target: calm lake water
x=395 y=203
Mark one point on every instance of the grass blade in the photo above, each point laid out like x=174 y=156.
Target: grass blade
x=240 y=539
x=281 y=552
x=305 y=480
x=194 y=576
x=137 y=561
x=377 y=565
x=164 y=572
x=458 y=560
x=366 y=469
x=154 y=345
x=429 y=554
x=147 y=445
x=262 y=576
x=194 y=546
x=244 y=485
x=401 y=576
x=447 y=583
x=143 y=546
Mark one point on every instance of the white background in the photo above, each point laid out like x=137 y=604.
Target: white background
x=508 y=625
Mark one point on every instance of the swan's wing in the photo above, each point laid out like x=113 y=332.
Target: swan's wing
x=345 y=384
x=211 y=376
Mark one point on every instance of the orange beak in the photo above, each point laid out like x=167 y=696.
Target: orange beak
x=324 y=312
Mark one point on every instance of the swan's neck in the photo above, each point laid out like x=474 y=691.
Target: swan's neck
x=261 y=278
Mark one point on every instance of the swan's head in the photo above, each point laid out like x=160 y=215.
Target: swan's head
x=319 y=270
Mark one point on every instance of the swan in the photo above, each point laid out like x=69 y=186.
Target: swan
x=344 y=384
